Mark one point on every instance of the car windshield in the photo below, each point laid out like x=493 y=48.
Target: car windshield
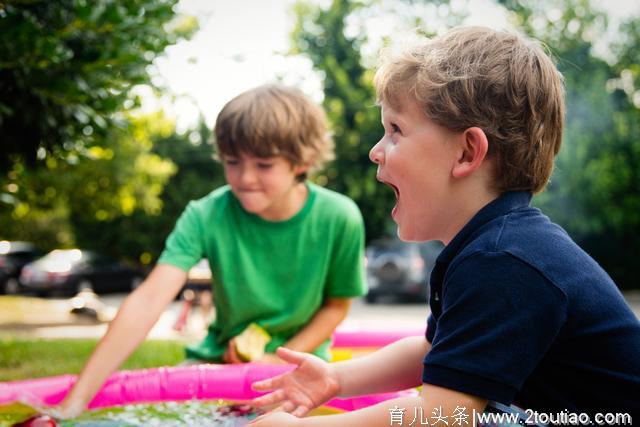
x=61 y=260
x=7 y=248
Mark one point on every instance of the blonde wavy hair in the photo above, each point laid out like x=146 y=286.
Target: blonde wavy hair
x=498 y=81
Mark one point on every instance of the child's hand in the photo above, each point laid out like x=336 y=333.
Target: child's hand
x=270 y=359
x=230 y=354
x=276 y=419
x=62 y=411
x=310 y=385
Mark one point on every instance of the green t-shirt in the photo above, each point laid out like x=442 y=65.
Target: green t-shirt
x=276 y=274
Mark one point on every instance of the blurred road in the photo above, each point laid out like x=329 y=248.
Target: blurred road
x=386 y=315
x=390 y=316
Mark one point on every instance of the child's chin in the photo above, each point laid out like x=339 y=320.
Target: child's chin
x=252 y=206
x=253 y=209
x=407 y=235
x=403 y=234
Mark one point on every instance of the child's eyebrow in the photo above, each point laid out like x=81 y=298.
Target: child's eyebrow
x=387 y=116
x=394 y=119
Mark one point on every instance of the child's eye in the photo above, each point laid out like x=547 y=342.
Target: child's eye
x=265 y=165
x=395 y=128
x=230 y=162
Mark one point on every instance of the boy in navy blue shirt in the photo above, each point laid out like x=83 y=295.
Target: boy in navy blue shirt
x=519 y=313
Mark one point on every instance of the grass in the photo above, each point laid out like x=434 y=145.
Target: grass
x=33 y=358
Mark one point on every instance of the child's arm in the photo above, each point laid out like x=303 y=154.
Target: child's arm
x=135 y=318
x=397 y=366
x=434 y=405
x=321 y=325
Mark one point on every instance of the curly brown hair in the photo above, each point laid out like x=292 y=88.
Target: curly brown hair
x=498 y=81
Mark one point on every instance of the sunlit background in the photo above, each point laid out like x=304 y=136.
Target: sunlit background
x=245 y=43
x=106 y=110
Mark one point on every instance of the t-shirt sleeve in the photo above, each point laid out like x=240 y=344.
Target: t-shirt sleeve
x=494 y=328
x=431 y=328
x=346 y=276
x=184 y=246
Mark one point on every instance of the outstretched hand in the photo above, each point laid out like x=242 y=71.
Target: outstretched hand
x=62 y=411
x=310 y=385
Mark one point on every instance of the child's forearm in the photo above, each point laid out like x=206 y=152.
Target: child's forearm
x=374 y=416
x=321 y=326
x=135 y=318
x=397 y=366
x=115 y=346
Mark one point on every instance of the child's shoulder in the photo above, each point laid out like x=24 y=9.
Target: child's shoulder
x=332 y=202
x=522 y=231
x=216 y=200
x=528 y=237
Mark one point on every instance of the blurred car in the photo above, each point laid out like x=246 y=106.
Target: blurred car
x=197 y=291
x=400 y=270
x=70 y=271
x=200 y=274
x=14 y=256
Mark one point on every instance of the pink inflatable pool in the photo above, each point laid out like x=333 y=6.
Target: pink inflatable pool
x=202 y=382
x=356 y=336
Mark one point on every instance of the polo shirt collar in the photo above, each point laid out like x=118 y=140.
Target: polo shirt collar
x=504 y=204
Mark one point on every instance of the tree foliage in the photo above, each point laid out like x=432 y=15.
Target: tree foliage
x=122 y=200
x=67 y=66
x=82 y=202
x=77 y=168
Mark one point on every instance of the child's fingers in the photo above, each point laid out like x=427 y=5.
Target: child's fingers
x=57 y=412
x=288 y=406
x=269 y=399
x=295 y=410
x=231 y=352
x=268 y=384
x=291 y=356
x=300 y=411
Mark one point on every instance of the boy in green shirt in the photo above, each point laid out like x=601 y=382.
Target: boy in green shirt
x=285 y=254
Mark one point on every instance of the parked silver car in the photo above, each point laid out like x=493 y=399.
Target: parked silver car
x=400 y=270
x=74 y=270
x=13 y=257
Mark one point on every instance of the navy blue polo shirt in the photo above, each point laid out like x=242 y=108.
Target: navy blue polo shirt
x=521 y=314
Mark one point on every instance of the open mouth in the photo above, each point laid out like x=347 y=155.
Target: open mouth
x=248 y=190
x=395 y=189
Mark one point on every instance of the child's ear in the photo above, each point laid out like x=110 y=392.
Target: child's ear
x=300 y=169
x=472 y=151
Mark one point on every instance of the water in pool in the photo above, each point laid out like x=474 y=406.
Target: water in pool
x=170 y=414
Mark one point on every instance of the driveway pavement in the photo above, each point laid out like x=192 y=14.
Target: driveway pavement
x=58 y=323
x=63 y=325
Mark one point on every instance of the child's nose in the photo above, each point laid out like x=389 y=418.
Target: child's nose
x=376 y=155
x=247 y=175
